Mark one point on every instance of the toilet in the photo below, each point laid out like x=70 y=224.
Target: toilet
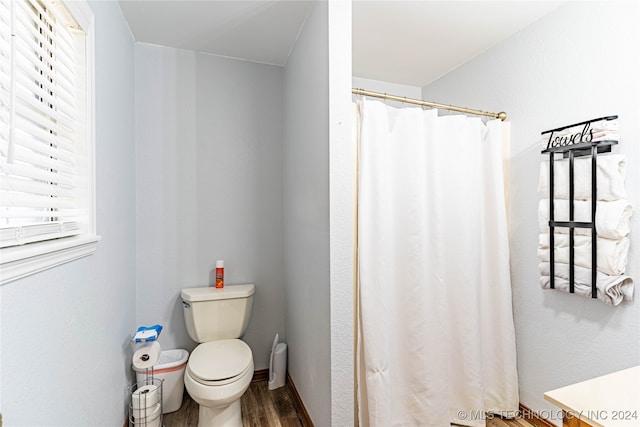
x=220 y=368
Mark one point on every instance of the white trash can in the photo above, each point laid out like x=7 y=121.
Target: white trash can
x=170 y=368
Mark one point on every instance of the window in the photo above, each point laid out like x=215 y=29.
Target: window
x=46 y=135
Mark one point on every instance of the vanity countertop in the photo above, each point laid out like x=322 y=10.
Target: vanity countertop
x=611 y=400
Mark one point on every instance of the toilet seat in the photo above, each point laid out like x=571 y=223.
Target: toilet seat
x=220 y=362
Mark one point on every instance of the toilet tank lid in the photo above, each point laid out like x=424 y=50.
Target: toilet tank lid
x=211 y=293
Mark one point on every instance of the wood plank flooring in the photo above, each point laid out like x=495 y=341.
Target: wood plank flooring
x=499 y=422
x=261 y=407
x=274 y=408
x=269 y=408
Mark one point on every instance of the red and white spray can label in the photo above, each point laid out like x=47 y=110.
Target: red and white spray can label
x=219 y=274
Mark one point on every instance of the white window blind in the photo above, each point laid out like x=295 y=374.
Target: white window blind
x=43 y=182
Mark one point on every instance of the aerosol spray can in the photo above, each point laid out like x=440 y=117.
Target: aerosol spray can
x=219 y=274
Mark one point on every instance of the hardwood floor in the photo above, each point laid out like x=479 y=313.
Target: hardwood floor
x=186 y=416
x=261 y=407
x=274 y=408
x=269 y=408
x=499 y=422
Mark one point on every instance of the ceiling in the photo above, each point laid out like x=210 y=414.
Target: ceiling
x=407 y=42
x=260 y=31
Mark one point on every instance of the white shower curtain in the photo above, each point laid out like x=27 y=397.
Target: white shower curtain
x=436 y=340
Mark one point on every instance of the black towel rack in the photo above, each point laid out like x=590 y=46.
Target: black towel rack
x=575 y=145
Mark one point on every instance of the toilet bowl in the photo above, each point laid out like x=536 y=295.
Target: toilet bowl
x=217 y=375
x=220 y=369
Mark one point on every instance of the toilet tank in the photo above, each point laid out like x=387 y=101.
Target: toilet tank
x=214 y=314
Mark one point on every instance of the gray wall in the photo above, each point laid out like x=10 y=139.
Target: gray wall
x=578 y=63
x=306 y=215
x=65 y=351
x=209 y=185
x=202 y=139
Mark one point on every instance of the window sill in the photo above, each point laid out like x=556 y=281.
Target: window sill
x=21 y=261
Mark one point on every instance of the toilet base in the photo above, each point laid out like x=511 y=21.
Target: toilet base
x=227 y=416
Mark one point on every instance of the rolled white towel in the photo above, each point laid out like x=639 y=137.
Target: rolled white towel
x=604 y=130
x=610 y=175
x=612 y=218
x=611 y=257
x=605 y=135
x=610 y=289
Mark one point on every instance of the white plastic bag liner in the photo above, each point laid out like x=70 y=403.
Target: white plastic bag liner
x=170 y=368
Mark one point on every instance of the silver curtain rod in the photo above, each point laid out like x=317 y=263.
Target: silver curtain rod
x=501 y=115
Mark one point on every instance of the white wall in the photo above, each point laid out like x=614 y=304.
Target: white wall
x=387 y=87
x=306 y=215
x=578 y=63
x=209 y=185
x=342 y=191
x=65 y=351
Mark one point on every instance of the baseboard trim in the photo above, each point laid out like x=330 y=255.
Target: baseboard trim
x=260 y=375
x=297 y=401
x=263 y=375
x=533 y=417
x=526 y=413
